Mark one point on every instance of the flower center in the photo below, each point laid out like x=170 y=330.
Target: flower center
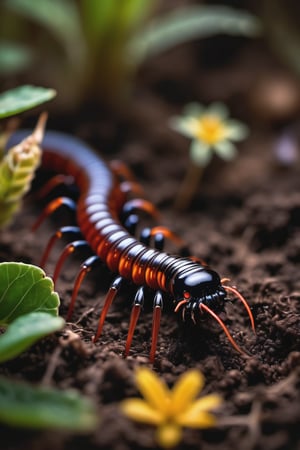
x=210 y=129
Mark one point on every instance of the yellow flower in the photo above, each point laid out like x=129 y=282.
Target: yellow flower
x=170 y=410
x=211 y=131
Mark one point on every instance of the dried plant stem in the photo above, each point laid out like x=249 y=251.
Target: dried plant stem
x=17 y=168
x=188 y=187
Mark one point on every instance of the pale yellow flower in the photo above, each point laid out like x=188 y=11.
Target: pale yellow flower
x=170 y=410
x=210 y=130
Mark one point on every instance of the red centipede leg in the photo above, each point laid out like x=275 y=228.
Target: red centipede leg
x=121 y=170
x=110 y=296
x=131 y=187
x=135 y=312
x=54 y=182
x=59 y=234
x=225 y=329
x=244 y=301
x=85 y=268
x=168 y=234
x=69 y=248
x=140 y=204
x=157 y=308
x=53 y=206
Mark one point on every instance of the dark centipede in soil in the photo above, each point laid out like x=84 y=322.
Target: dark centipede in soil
x=105 y=219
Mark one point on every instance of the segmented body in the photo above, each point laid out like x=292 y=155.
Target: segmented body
x=99 y=216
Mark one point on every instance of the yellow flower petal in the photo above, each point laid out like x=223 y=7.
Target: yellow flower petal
x=202 y=420
x=154 y=390
x=185 y=390
x=168 y=435
x=140 y=411
x=198 y=412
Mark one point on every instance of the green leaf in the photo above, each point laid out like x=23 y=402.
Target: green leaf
x=188 y=23
x=23 y=98
x=25 y=331
x=60 y=18
x=23 y=289
x=14 y=57
x=39 y=407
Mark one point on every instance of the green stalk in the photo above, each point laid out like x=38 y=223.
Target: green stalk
x=188 y=187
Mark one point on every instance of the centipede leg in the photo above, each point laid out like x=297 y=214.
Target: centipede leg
x=131 y=223
x=160 y=233
x=59 y=234
x=54 y=182
x=85 y=268
x=139 y=204
x=53 y=206
x=121 y=170
x=157 y=308
x=110 y=296
x=135 y=312
x=69 y=248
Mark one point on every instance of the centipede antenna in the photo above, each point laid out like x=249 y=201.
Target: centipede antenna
x=51 y=207
x=225 y=329
x=244 y=301
x=157 y=308
x=85 y=268
x=57 y=235
x=110 y=296
x=69 y=248
x=135 y=313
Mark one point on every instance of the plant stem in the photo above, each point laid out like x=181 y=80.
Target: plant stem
x=188 y=187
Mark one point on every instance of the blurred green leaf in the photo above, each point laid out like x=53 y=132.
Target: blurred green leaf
x=25 y=331
x=23 y=289
x=39 y=407
x=60 y=17
x=188 y=23
x=23 y=98
x=14 y=57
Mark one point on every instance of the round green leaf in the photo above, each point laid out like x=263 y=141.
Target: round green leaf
x=27 y=406
x=24 y=288
x=25 y=331
x=22 y=98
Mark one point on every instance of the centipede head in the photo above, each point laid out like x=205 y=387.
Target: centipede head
x=201 y=292
x=202 y=286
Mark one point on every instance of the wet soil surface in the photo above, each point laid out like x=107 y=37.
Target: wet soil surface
x=244 y=222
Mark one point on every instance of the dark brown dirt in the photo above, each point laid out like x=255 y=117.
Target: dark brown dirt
x=244 y=221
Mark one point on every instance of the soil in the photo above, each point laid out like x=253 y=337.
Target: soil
x=243 y=221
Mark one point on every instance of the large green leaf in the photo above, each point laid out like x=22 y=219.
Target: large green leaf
x=25 y=331
x=191 y=22
x=23 y=289
x=39 y=407
x=22 y=98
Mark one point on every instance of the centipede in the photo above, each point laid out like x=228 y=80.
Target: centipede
x=107 y=213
